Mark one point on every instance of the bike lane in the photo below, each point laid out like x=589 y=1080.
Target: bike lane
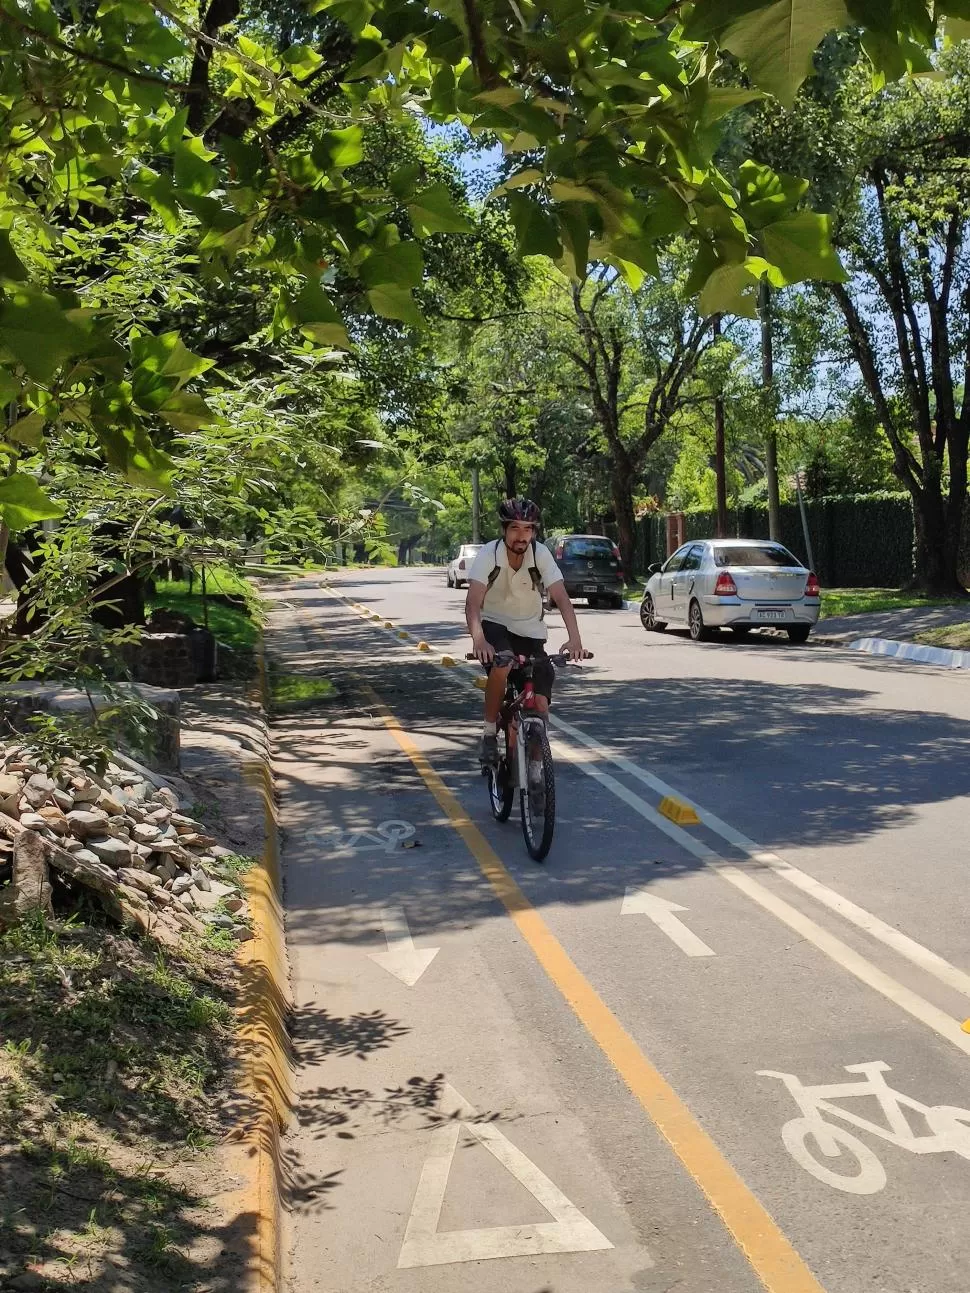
x=763 y=1000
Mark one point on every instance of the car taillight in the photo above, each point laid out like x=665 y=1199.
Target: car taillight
x=812 y=588
x=461 y=564
x=725 y=586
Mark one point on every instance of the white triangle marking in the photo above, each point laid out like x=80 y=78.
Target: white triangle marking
x=424 y=1245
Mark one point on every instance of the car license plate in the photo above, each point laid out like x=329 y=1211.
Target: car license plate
x=770 y=614
x=590 y=588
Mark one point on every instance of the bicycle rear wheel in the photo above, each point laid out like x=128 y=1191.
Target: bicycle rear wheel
x=501 y=788
x=538 y=800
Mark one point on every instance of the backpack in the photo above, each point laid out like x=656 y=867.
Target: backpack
x=533 y=569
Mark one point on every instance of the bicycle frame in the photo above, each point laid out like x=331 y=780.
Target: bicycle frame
x=947 y=1131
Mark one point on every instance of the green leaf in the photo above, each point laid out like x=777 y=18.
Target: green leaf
x=400 y=265
x=28 y=430
x=36 y=329
x=433 y=211
x=302 y=60
x=536 y=232
x=24 y=503
x=776 y=42
x=801 y=248
x=186 y=412
x=316 y=316
x=167 y=356
x=574 y=227
x=10 y=263
x=395 y=302
x=518 y=181
x=766 y=194
x=337 y=149
x=957 y=29
x=894 y=56
x=403 y=180
x=730 y=289
x=193 y=171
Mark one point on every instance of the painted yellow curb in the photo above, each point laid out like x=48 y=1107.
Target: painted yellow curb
x=263 y=1051
x=679 y=812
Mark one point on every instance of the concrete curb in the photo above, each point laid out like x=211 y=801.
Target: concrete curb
x=915 y=651
x=263 y=1048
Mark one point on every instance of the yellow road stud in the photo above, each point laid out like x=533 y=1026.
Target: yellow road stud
x=388 y=624
x=966 y=1025
x=423 y=646
x=402 y=635
x=482 y=683
x=678 y=812
x=450 y=661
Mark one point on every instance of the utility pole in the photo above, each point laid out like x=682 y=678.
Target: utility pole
x=771 y=430
x=720 y=470
x=476 y=508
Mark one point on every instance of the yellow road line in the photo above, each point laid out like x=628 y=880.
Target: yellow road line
x=772 y=1257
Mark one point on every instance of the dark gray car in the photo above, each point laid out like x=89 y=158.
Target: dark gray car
x=590 y=566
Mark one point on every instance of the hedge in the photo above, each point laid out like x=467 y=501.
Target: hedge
x=858 y=541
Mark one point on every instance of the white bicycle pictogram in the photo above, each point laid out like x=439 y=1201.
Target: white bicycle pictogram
x=812 y=1138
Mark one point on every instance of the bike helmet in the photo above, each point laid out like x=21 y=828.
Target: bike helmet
x=519 y=509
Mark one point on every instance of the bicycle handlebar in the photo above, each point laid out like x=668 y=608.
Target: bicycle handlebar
x=503 y=659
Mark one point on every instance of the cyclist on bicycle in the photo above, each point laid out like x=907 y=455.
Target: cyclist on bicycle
x=503 y=610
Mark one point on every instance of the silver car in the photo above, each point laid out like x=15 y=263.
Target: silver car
x=736 y=584
x=461 y=563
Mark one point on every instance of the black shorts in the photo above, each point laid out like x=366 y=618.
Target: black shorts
x=543 y=674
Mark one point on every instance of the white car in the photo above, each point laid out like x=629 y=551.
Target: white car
x=461 y=563
x=736 y=584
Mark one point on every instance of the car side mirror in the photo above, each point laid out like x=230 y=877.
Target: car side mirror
x=654 y=569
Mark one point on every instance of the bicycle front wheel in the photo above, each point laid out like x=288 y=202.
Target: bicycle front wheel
x=538 y=795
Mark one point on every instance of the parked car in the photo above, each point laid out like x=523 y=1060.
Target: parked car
x=736 y=584
x=591 y=568
x=461 y=563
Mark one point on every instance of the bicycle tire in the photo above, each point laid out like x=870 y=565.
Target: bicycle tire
x=501 y=797
x=538 y=838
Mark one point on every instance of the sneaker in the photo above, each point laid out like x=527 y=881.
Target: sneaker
x=489 y=751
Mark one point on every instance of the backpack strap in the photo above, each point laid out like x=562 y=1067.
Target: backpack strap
x=493 y=573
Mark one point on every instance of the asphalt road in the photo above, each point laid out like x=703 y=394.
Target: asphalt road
x=605 y=1077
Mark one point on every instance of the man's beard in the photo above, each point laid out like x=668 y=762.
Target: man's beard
x=519 y=546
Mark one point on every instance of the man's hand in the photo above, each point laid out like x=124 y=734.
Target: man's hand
x=484 y=651
x=575 y=649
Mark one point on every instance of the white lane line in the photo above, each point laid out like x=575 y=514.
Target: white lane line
x=847 y=957
x=638 y=902
x=877 y=928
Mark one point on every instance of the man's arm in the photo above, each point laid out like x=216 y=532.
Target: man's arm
x=558 y=595
x=474 y=600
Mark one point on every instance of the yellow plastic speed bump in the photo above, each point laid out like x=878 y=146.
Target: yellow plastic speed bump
x=423 y=646
x=678 y=812
x=402 y=635
x=449 y=660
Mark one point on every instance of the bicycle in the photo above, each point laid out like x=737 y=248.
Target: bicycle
x=815 y=1136
x=525 y=759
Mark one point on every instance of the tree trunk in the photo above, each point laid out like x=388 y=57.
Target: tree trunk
x=935 y=567
x=621 y=490
x=771 y=431
x=720 y=468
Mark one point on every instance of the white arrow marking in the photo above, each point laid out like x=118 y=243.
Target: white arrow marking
x=425 y=1245
x=402 y=959
x=661 y=911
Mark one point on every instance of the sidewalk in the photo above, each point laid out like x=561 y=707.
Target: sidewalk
x=892 y=633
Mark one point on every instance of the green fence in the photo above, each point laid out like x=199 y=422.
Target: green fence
x=858 y=541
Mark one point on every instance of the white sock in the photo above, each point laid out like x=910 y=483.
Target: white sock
x=490 y=728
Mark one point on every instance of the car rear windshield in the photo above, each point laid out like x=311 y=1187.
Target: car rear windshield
x=469 y=549
x=753 y=555
x=587 y=548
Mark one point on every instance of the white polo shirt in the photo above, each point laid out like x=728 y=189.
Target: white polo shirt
x=512 y=601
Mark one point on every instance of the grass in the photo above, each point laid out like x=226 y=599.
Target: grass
x=955 y=637
x=291 y=692
x=113 y=1066
x=235 y=626
x=857 y=601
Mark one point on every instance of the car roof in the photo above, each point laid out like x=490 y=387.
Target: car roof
x=605 y=537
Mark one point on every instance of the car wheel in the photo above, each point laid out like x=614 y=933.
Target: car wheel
x=699 y=632
x=451 y=582
x=648 y=616
x=799 y=632
x=741 y=631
